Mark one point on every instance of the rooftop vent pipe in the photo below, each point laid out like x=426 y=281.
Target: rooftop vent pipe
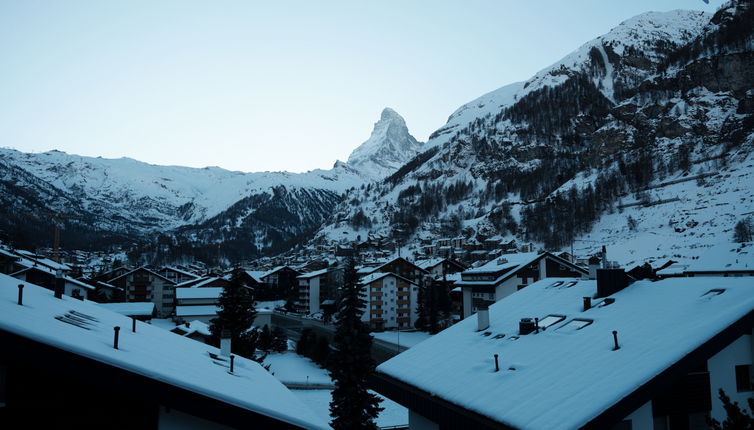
x=483 y=319
x=59 y=284
x=20 y=294
x=587 y=303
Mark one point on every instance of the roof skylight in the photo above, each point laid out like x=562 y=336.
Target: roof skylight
x=574 y=325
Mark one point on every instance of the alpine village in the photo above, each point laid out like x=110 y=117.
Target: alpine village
x=575 y=251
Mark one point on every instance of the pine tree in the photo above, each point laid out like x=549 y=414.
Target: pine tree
x=279 y=341
x=421 y=309
x=236 y=315
x=737 y=418
x=265 y=339
x=351 y=363
x=743 y=231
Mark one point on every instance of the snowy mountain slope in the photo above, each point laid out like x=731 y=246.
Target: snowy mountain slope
x=653 y=34
x=389 y=147
x=170 y=195
x=662 y=96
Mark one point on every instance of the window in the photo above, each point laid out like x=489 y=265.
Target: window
x=713 y=292
x=743 y=378
x=574 y=325
x=550 y=320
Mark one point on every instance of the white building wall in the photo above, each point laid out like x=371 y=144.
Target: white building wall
x=69 y=287
x=642 y=417
x=508 y=287
x=466 y=302
x=418 y=422
x=389 y=296
x=314 y=294
x=722 y=369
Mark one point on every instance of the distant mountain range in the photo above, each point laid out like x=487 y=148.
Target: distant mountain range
x=119 y=201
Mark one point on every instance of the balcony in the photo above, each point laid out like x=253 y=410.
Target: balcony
x=403 y=293
x=403 y=302
x=375 y=293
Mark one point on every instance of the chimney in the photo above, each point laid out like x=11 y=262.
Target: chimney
x=604 y=257
x=587 y=303
x=483 y=319
x=59 y=284
x=594 y=264
x=610 y=281
x=526 y=326
x=225 y=343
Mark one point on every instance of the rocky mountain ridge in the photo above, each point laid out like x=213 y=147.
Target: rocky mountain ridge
x=662 y=98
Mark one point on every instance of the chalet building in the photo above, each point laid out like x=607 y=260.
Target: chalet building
x=588 y=354
x=391 y=301
x=177 y=275
x=143 y=285
x=280 y=278
x=437 y=267
x=503 y=276
x=8 y=262
x=112 y=274
x=398 y=266
x=63 y=361
x=197 y=303
x=316 y=288
x=46 y=278
x=248 y=278
x=196 y=330
x=205 y=282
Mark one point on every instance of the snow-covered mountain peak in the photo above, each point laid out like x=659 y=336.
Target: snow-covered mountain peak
x=388 y=148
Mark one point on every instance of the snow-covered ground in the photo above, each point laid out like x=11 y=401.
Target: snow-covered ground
x=403 y=338
x=291 y=368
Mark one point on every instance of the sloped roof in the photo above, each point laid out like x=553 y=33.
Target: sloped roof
x=151 y=352
x=368 y=279
x=138 y=269
x=313 y=274
x=509 y=264
x=563 y=377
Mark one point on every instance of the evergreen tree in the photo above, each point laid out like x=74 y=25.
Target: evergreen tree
x=279 y=341
x=737 y=419
x=433 y=310
x=236 y=315
x=321 y=351
x=265 y=339
x=351 y=363
x=421 y=309
x=743 y=231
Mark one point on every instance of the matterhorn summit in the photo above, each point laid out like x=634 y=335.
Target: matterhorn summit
x=389 y=147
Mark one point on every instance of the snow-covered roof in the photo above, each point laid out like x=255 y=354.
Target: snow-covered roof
x=256 y=275
x=725 y=257
x=313 y=274
x=151 y=272
x=506 y=262
x=368 y=279
x=182 y=272
x=52 y=272
x=195 y=326
x=150 y=352
x=130 y=308
x=196 y=310
x=199 y=282
x=428 y=264
x=674 y=269
x=564 y=377
x=198 y=293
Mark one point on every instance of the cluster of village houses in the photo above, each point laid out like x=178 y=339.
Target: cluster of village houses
x=541 y=340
